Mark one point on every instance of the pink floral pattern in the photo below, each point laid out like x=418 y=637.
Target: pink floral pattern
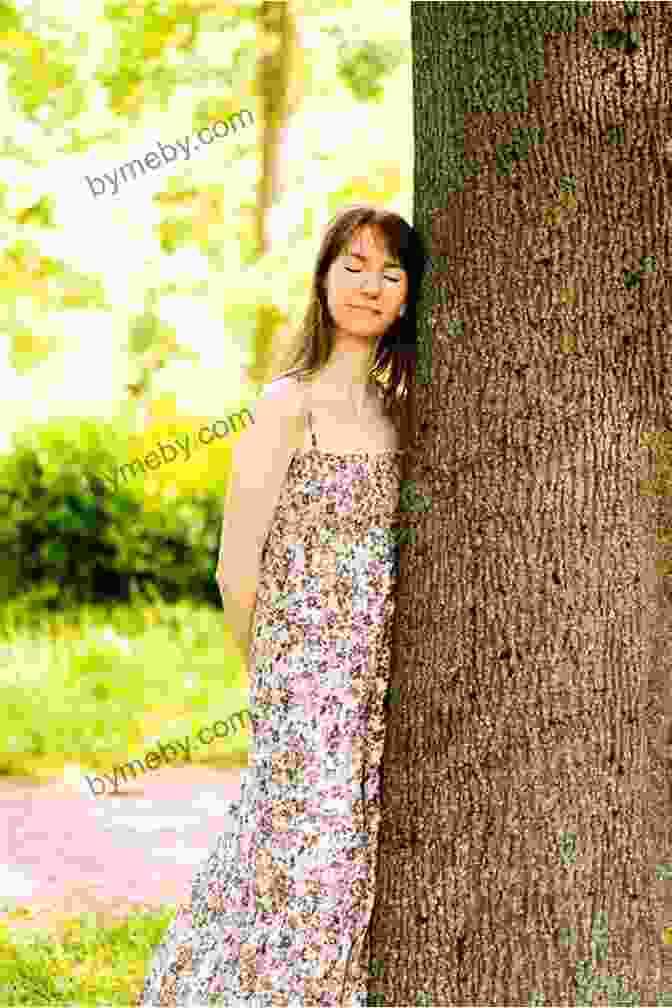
x=279 y=912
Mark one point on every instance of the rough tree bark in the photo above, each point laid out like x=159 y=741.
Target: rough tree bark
x=524 y=778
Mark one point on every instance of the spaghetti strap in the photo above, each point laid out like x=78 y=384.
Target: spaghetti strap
x=312 y=431
x=307 y=402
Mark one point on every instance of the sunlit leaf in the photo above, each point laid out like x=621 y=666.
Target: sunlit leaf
x=136 y=391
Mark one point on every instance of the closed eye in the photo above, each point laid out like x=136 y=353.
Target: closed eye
x=393 y=279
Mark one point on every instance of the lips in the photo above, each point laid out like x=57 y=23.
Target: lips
x=372 y=311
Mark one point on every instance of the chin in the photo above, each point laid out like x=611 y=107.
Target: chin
x=366 y=334
x=371 y=325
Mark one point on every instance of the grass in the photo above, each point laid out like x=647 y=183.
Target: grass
x=86 y=690
x=86 y=965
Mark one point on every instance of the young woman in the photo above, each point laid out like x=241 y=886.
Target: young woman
x=279 y=914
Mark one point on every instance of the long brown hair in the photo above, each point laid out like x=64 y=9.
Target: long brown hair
x=395 y=355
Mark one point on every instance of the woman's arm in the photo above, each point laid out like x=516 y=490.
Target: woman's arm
x=261 y=457
x=238 y=612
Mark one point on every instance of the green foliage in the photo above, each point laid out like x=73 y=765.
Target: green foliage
x=405 y=535
x=615 y=134
x=140 y=43
x=518 y=148
x=633 y=278
x=9 y=18
x=567 y=936
x=568 y=848
x=143 y=331
x=37 y=70
x=362 y=66
x=392 y=696
x=616 y=39
x=74 y=539
x=599 y=936
x=376 y=968
x=41 y=213
x=411 y=500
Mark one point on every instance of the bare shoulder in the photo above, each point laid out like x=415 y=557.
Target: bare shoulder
x=287 y=390
x=285 y=396
x=278 y=415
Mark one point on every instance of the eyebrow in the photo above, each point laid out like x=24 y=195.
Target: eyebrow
x=388 y=262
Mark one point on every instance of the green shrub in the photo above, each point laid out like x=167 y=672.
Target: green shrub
x=67 y=538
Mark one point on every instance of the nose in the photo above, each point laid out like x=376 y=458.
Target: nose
x=372 y=275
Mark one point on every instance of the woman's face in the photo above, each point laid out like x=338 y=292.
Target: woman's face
x=366 y=287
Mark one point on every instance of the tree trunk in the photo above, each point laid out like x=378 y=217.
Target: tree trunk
x=280 y=89
x=525 y=801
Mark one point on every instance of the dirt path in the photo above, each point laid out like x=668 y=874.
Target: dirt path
x=64 y=852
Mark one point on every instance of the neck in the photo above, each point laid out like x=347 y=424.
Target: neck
x=347 y=373
x=349 y=366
